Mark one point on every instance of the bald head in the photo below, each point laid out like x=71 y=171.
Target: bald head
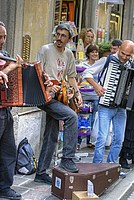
x=3 y=35
x=128 y=45
x=126 y=51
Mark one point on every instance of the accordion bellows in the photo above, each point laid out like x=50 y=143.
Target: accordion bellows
x=26 y=87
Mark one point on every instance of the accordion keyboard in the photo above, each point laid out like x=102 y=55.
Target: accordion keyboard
x=110 y=84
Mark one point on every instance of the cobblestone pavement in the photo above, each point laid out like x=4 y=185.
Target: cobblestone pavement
x=31 y=190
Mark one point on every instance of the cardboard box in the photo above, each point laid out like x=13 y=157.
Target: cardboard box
x=82 y=195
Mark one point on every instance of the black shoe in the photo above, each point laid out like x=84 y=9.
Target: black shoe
x=69 y=165
x=124 y=164
x=90 y=145
x=10 y=194
x=43 y=178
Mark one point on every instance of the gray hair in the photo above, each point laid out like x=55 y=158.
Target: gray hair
x=64 y=26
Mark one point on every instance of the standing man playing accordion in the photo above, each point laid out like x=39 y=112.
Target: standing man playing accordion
x=7 y=141
x=58 y=62
x=108 y=110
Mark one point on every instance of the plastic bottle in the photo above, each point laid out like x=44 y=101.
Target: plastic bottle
x=99 y=35
x=103 y=35
x=90 y=189
x=80 y=50
x=106 y=37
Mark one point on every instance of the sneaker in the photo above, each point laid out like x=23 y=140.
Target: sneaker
x=43 y=178
x=125 y=166
x=10 y=194
x=69 y=165
x=123 y=174
x=90 y=145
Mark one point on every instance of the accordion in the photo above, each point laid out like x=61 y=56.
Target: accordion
x=25 y=87
x=118 y=82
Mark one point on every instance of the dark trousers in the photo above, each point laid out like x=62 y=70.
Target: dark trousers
x=7 y=149
x=56 y=111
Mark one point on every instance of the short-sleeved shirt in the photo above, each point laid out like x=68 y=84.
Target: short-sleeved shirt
x=56 y=64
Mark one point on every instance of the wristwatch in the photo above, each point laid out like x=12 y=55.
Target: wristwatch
x=77 y=91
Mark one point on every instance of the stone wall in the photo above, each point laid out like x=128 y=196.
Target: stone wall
x=29 y=125
x=34 y=18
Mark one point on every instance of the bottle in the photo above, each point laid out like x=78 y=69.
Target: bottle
x=90 y=189
x=106 y=37
x=80 y=50
x=103 y=35
x=99 y=35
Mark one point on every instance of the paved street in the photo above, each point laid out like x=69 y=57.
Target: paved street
x=37 y=191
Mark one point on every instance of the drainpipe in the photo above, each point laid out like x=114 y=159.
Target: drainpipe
x=108 y=21
x=80 y=16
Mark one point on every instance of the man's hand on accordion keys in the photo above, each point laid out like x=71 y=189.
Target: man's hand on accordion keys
x=48 y=81
x=99 y=90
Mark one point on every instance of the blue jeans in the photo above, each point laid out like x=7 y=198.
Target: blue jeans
x=56 y=111
x=118 y=118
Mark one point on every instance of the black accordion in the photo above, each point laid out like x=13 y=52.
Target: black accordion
x=119 y=84
x=25 y=87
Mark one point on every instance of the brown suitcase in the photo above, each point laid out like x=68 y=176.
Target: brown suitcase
x=102 y=175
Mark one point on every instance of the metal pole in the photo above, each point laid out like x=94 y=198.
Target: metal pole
x=80 y=16
x=108 y=21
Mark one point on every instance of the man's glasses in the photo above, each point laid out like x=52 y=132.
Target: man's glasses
x=60 y=35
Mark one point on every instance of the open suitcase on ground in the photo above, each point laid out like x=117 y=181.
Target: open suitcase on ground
x=102 y=175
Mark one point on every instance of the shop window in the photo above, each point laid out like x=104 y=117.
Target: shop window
x=68 y=11
x=64 y=10
x=58 y=7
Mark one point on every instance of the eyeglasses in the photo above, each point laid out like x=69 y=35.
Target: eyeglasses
x=61 y=35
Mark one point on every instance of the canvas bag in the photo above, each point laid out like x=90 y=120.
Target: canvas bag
x=26 y=162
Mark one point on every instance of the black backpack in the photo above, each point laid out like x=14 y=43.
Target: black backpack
x=26 y=162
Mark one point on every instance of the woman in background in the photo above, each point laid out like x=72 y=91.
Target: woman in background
x=92 y=55
x=88 y=37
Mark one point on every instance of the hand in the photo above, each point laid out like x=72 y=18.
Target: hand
x=100 y=90
x=3 y=76
x=19 y=61
x=47 y=82
x=13 y=65
x=55 y=88
x=80 y=102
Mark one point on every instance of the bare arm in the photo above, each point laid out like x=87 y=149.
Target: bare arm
x=13 y=65
x=72 y=82
x=97 y=87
